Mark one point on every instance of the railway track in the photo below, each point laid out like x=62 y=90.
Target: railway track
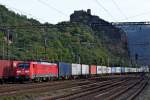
x=102 y=78
x=23 y=88
x=120 y=91
x=40 y=86
x=37 y=83
x=85 y=90
x=10 y=89
x=99 y=88
x=106 y=92
x=28 y=84
x=131 y=93
x=111 y=94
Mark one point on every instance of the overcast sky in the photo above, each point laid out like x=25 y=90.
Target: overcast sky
x=54 y=11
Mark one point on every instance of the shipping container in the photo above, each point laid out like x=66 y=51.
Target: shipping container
x=127 y=70
x=85 y=69
x=122 y=69
x=138 y=70
x=64 y=69
x=113 y=70
x=118 y=69
x=141 y=70
x=99 y=69
x=145 y=68
x=76 y=69
x=130 y=69
x=104 y=69
x=7 y=68
x=108 y=70
x=134 y=70
x=93 y=69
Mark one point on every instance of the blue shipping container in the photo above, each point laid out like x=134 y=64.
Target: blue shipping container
x=113 y=69
x=64 y=69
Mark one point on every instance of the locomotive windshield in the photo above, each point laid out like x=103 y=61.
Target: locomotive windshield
x=24 y=65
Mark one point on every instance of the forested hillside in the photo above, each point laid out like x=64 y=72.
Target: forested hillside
x=28 y=39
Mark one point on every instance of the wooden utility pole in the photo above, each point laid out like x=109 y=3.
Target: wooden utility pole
x=7 y=35
x=3 y=48
x=45 y=42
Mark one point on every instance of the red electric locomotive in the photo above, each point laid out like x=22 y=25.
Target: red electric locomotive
x=36 y=71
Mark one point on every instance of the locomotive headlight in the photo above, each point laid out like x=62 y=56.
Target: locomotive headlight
x=26 y=71
x=18 y=71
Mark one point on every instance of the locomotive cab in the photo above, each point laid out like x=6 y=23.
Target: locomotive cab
x=23 y=71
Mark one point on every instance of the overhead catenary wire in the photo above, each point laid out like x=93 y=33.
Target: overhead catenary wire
x=41 y=26
x=119 y=9
x=138 y=15
x=141 y=14
x=51 y=7
x=105 y=9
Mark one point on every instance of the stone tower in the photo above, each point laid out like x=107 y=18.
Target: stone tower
x=89 y=11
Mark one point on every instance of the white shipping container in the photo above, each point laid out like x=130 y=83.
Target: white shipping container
x=126 y=69
x=76 y=69
x=130 y=70
x=118 y=69
x=134 y=70
x=147 y=70
x=108 y=70
x=85 y=69
x=140 y=69
x=137 y=70
x=104 y=69
x=99 y=70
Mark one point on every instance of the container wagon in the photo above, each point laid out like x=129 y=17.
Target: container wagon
x=64 y=70
x=93 y=70
x=104 y=69
x=122 y=70
x=8 y=70
x=85 y=70
x=99 y=70
x=118 y=70
x=76 y=70
x=108 y=70
x=113 y=70
x=127 y=70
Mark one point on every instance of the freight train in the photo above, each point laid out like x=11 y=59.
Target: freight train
x=44 y=71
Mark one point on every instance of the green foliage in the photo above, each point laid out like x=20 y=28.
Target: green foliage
x=66 y=41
